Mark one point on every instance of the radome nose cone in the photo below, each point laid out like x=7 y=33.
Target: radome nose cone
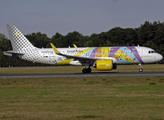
x=159 y=57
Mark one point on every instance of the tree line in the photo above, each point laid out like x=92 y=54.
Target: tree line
x=148 y=35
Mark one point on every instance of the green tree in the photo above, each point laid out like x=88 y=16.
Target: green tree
x=38 y=39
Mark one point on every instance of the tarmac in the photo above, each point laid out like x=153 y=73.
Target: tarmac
x=75 y=75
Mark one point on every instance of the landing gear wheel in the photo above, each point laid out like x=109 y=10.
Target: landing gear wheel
x=88 y=70
x=141 y=70
x=84 y=70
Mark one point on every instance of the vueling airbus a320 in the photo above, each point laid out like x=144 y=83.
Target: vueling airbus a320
x=102 y=58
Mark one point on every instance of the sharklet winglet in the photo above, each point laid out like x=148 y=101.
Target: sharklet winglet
x=74 y=46
x=54 y=48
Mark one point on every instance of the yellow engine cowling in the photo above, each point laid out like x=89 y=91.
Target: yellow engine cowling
x=105 y=65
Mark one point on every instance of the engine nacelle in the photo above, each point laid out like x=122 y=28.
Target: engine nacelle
x=105 y=65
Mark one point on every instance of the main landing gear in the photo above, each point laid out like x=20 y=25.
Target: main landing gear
x=87 y=70
x=140 y=68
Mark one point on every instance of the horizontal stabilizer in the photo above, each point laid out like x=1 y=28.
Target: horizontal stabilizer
x=11 y=53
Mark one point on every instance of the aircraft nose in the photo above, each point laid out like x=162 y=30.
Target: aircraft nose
x=159 y=57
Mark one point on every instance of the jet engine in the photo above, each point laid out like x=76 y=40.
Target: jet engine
x=105 y=65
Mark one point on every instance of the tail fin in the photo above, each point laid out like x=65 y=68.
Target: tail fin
x=19 y=42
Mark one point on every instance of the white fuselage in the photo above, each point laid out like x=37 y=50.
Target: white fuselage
x=47 y=55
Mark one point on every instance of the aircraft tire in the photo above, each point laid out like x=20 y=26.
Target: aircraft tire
x=84 y=70
x=89 y=70
x=140 y=70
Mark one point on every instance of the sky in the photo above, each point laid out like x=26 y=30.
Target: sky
x=84 y=16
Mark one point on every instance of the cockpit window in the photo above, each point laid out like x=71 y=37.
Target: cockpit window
x=152 y=52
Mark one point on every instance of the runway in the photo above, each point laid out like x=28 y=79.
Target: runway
x=93 y=74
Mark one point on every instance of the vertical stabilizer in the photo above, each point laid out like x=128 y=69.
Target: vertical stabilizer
x=19 y=42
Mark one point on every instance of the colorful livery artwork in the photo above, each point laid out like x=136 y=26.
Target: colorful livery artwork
x=102 y=58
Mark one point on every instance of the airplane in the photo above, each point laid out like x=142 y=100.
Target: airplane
x=101 y=58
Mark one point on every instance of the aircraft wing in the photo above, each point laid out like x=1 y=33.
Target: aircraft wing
x=74 y=57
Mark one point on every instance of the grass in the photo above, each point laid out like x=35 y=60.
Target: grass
x=77 y=69
x=104 y=98
x=88 y=116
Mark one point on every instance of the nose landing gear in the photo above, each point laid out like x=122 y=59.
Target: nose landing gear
x=140 y=68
